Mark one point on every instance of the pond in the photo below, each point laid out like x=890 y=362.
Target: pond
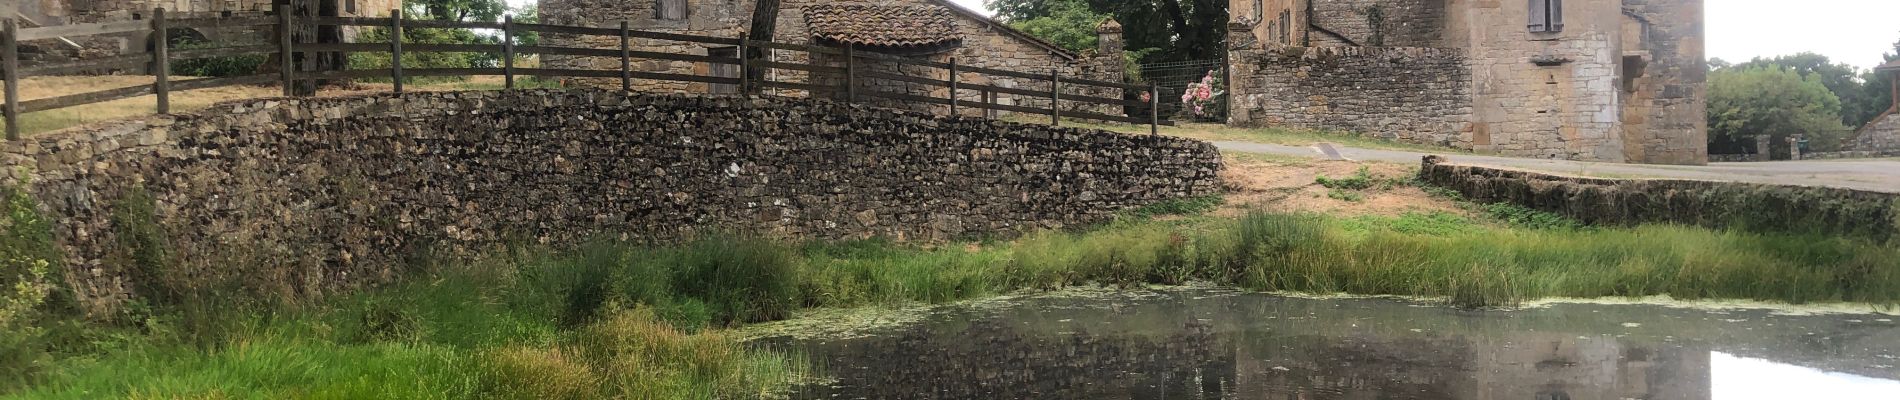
x=1217 y=344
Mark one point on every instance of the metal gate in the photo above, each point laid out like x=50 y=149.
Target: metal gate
x=1174 y=78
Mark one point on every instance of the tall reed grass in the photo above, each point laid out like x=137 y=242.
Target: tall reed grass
x=612 y=320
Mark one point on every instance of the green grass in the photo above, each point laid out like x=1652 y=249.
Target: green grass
x=615 y=320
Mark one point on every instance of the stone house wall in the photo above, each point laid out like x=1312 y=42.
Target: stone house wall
x=984 y=45
x=1414 y=95
x=334 y=193
x=1880 y=136
x=1624 y=81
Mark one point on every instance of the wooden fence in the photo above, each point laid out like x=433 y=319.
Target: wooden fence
x=749 y=79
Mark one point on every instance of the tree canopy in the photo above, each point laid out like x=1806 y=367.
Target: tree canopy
x=1745 y=102
x=1159 y=30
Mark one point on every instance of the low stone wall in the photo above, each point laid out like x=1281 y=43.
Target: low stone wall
x=1711 y=204
x=1837 y=155
x=1416 y=95
x=328 y=193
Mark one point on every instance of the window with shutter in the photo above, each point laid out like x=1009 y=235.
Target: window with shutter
x=670 y=10
x=719 y=70
x=1546 y=15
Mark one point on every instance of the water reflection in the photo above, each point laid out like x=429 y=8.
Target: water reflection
x=1206 y=345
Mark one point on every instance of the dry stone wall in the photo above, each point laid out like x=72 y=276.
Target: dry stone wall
x=1702 y=203
x=1417 y=95
x=1880 y=136
x=335 y=192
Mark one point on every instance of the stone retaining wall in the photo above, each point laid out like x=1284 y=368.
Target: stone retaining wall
x=1415 y=95
x=328 y=193
x=1702 y=203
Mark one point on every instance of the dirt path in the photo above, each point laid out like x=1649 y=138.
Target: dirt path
x=1868 y=174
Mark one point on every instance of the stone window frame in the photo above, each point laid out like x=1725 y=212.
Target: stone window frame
x=672 y=10
x=1546 y=16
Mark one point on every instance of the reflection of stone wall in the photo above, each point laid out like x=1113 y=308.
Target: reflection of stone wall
x=1416 y=95
x=1702 y=203
x=339 y=190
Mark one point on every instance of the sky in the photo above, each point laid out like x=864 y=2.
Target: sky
x=1854 y=32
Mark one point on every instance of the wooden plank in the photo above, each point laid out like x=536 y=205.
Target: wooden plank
x=1154 y=109
x=953 y=86
x=408 y=47
x=124 y=61
x=907 y=78
x=413 y=72
x=1100 y=100
x=10 y=60
x=508 y=52
x=1103 y=117
x=1015 y=91
x=285 y=50
x=745 y=71
x=53 y=103
x=1092 y=82
x=682 y=57
x=626 y=58
x=207 y=83
x=794 y=47
x=795 y=86
x=1001 y=72
x=344 y=21
x=222 y=52
x=223 y=22
x=1055 y=98
x=81 y=30
x=395 y=49
x=434 y=24
x=903 y=60
x=161 y=62
x=799 y=67
x=684 y=38
x=581 y=73
x=685 y=78
x=1020 y=109
x=566 y=51
x=850 y=73
x=570 y=30
x=904 y=97
x=353 y=73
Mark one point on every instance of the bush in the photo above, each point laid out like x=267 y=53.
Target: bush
x=241 y=65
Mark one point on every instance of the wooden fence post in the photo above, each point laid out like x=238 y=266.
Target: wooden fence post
x=850 y=73
x=745 y=68
x=1055 y=96
x=161 y=61
x=508 y=51
x=626 y=58
x=953 y=86
x=10 y=55
x=1154 y=109
x=284 y=53
x=395 y=48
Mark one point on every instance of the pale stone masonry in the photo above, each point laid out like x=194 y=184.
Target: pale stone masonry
x=1882 y=136
x=1593 y=80
x=43 y=13
x=343 y=190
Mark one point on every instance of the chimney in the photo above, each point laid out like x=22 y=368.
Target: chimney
x=1109 y=37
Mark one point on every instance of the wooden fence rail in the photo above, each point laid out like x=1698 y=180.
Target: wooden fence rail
x=851 y=69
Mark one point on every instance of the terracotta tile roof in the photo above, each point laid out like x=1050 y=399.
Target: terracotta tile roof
x=884 y=26
x=1889 y=66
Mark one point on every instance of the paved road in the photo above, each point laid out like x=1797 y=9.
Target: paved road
x=1872 y=174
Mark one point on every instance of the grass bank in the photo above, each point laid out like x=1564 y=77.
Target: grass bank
x=617 y=320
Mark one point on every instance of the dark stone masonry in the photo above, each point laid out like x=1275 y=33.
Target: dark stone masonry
x=340 y=190
x=1712 y=204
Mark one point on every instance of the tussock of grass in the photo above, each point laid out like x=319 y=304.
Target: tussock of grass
x=611 y=320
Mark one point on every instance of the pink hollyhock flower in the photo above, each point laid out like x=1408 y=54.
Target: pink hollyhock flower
x=1206 y=93
x=1146 y=97
x=1198 y=110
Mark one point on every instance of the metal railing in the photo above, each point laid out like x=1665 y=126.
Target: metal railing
x=161 y=56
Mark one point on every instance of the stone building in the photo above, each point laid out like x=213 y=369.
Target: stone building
x=931 y=30
x=1882 y=136
x=1595 y=80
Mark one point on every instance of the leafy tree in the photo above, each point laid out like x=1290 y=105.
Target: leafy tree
x=1070 y=24
x=1769 y=100
x=1841 y=79
x=1176 y=30
x=460 y=10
